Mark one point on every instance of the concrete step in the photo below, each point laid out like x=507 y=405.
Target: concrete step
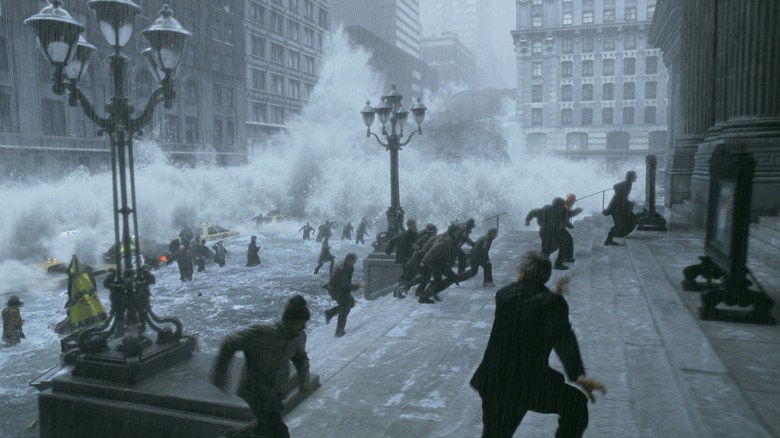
x=772 y=222
x=770 y=236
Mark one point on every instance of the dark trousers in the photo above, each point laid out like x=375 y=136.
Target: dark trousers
x=345 y=304
x=487 y=275
x=462 y=259
x=501 y=416
x=566 y=246
x=322 y=262
x=267 y=424
x=442 y=275
x=201 y=264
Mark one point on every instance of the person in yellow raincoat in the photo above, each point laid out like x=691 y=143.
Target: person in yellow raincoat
x=84 y=306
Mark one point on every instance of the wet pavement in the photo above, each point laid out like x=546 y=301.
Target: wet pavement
x=402 y=369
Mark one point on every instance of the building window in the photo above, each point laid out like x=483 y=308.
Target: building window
x=587 y=17
x=629 y=66
x=191 y=129
x=628 y=115
x=609 y=15
x=566 y=117
x=567 y=44
x=227 y=65
x=259 y=112
x=217 y=95
x=536 y=116
x=536 y=14
x=577 y=141
x=609 y=42
x=217 y=131
x=5 y=111
x=257 y=14
x=651 y=89
x=172 y=133
x=277 y=115
x=566 y=94
x=568 y=13
x=536 y=21
x=608 y=67
x=324 y=19
x=277 y=84
x=536 y=93
x=53 y=117
x=230 y=132
x=293 y=59
x=277 y=23
x=536 y=69
x=629 y=41
x=587 y=68
x=308 y=10
x=628 y=91
x=229 y=33
x=191 y=93
x=293 y=29
x=228 y=98
x=651 y=65
x=587 y=92
x=537 y=2
x=649 y=115
x=650 y=10
x=566 y=69
x=215 y=62
x=258 y=46
x=277 y=53
x=536 y=47
x=631 y=14
x=258 y=79
x=608 y=91
x=587 y=43
x=295 y=89
x=216 y=29
x=3 y=55
x=607 y=115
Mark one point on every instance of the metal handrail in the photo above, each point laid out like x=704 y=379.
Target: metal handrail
x=603 y=199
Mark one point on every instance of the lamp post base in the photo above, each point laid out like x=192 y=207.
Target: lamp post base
x=178 y=401
x=380 y=271
x=111 y=365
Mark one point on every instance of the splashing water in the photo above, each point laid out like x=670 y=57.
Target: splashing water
x=322 y=167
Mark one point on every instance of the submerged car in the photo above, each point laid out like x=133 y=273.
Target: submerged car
x=273 y=217
x=207 y=231
x=153 y=253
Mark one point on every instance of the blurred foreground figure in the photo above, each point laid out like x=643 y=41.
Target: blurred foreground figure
x=514 y=376
x=13 y=322
x=268 y=348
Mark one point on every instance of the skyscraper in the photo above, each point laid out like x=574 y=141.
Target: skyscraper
x=586 y=78
x=395 y=21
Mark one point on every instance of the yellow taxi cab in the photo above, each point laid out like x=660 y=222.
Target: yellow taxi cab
x=209 y=231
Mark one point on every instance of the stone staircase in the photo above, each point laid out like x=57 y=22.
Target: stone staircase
x=764 y=241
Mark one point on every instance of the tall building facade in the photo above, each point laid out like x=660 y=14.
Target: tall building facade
x=395 y=21
x=41 y=136
x=284 y=47
x=451 y=58
x=588 y=83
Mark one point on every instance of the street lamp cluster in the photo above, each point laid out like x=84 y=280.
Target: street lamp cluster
x=60 y=40
x=390 y=109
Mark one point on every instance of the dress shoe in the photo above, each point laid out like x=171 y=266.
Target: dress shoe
x=610 y=243
x=426 y=300
x=568 y=260
x=560 y=267
x=340 y=333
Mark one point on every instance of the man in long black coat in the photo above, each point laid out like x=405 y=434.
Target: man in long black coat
x=621 y=210
x=514 y=376
x=253 y=253
x=402 y=243
x=479 y=256
x=340 y=287
x=552 y=220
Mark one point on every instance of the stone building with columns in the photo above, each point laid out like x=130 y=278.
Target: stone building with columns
x=588 y=82
x=723 y=58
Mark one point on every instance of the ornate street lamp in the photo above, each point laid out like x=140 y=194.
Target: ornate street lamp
x=390 y=109
x=119 y=350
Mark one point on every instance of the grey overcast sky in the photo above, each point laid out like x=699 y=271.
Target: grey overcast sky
x=497 y=33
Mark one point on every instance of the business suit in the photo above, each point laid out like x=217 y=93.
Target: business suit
x=514 y=376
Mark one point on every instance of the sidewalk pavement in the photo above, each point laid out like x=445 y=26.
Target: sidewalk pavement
x=403 y=368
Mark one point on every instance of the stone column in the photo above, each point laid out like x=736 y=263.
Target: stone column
x=746 y=97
